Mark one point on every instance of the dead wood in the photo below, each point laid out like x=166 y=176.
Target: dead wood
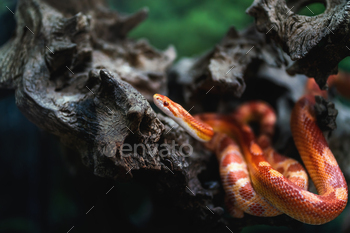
x=316 y=43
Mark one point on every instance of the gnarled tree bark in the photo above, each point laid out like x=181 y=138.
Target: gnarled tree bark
x=317 y=43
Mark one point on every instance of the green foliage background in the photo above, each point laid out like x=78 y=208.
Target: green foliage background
x=197 y=25
x=192 y=26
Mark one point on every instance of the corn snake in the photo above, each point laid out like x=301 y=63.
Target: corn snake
x=264 y=183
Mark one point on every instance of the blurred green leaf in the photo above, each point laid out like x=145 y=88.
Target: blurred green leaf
x=345 y=64
x=192 y=26
x=312 y=9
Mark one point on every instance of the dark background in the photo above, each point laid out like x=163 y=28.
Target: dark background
x=41 y=190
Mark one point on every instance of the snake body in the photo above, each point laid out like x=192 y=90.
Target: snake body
x=262 y=182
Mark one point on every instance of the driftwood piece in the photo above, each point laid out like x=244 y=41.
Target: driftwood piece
x=77 y=75
x=317 y=43
x=213 y=82
x=55 y=64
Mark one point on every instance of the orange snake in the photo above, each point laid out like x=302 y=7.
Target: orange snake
x=275 y=184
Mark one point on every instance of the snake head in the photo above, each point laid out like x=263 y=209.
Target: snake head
x=164 y=104
x=197 y=129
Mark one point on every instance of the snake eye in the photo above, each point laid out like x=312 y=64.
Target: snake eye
x=165 y=103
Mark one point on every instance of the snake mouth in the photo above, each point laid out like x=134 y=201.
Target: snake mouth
x=157 y=100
